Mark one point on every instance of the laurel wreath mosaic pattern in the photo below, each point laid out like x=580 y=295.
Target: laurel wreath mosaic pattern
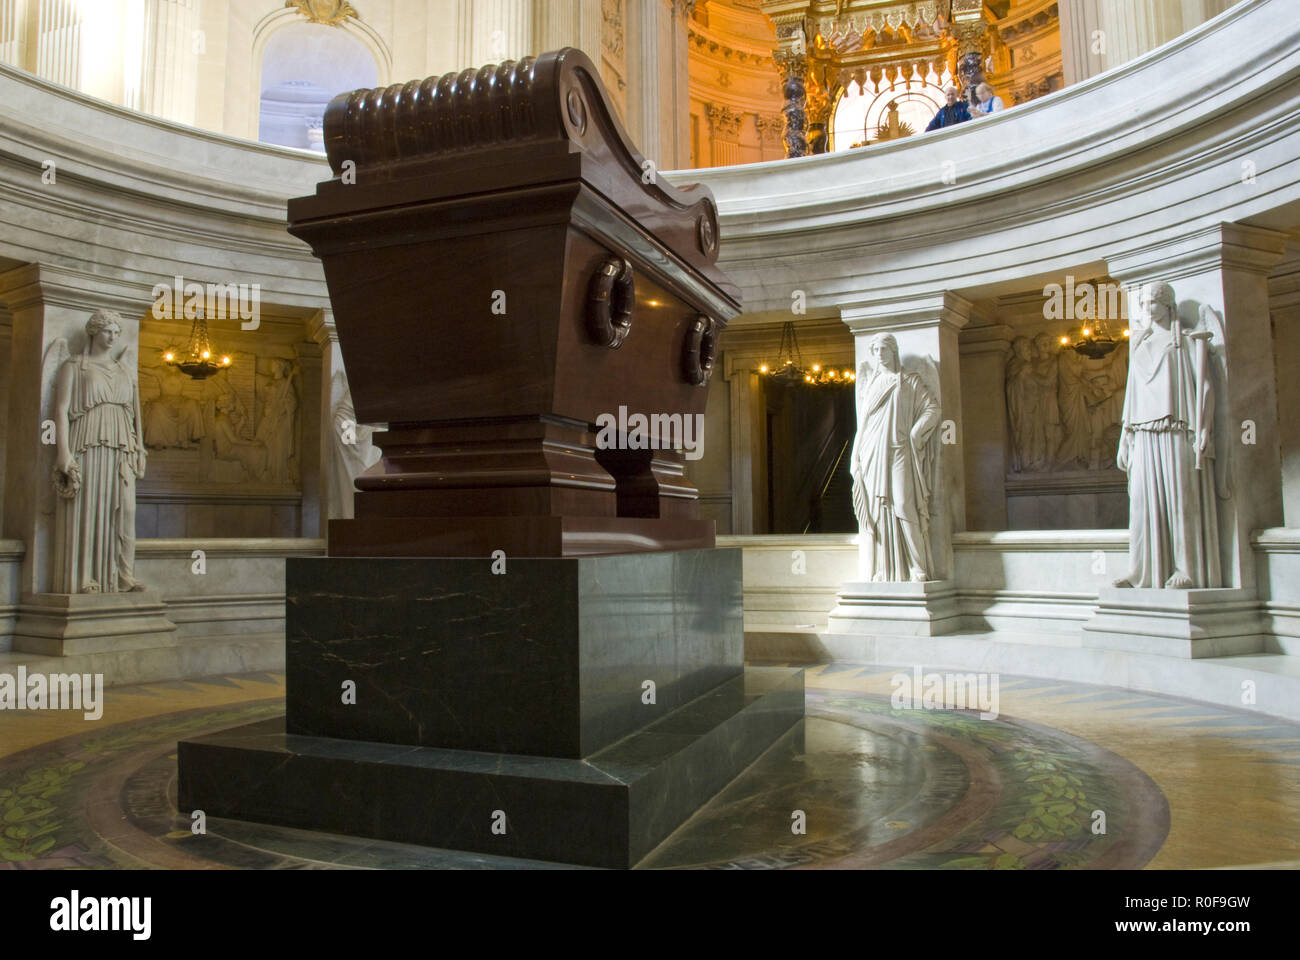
x=1041 y=818
x=1050 y=788
x=41 y=789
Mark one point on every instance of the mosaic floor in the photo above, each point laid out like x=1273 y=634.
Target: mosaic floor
x=1180 y=784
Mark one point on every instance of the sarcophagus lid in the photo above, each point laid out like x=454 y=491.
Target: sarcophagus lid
x=506 y=270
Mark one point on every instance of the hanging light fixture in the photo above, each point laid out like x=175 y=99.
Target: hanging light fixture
x=197 y=360
x=1094 y=340
x=788 y=367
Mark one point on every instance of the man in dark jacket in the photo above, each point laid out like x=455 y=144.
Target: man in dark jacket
x=955 y=112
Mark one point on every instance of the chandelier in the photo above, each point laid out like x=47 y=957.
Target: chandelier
x=788 y=367
x=1093 y=341
x=196 y=360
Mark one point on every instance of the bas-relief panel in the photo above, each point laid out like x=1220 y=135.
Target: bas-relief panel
x=224 y=453
x=240 y=426
x=1064 y=412
x=1064 y=408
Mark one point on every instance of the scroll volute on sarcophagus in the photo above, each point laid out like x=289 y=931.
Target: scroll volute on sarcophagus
x=468 y=224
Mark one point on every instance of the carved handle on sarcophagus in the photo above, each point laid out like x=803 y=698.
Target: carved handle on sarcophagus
x=699 y=350
x=611 y=296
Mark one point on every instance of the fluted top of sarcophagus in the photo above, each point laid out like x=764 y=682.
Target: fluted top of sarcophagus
x=512 y=125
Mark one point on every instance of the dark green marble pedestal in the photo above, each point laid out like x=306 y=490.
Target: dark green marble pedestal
x=608 y=810
x=503 y=713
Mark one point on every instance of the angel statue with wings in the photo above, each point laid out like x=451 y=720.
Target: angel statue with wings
x=1176 y=464
x=892 y=465
x=99 y=455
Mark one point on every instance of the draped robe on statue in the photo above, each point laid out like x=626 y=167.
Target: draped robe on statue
x=95 y=518
x=1169 y=420
x=891 y=489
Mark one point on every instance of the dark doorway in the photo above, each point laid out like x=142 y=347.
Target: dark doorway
x=809 y=438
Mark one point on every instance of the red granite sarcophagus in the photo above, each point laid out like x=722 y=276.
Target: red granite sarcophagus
x=507 y=271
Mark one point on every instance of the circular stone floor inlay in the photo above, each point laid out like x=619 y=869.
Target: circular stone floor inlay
x=874 y=786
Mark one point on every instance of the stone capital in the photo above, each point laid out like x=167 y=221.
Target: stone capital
x=724 y=121
x=1284 y=286
x=987 y=338
x=321 y=329
x=943 y=309
x=1224 y=246
x=53 y=285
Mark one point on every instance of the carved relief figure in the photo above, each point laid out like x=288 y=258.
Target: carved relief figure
x=1045 y=374
x=1105 y=398
x=1168 y=450
x=99 y=455
x=1076 y=425
x=1023 y=408
x=1063 y=408
x=891 y=465
x=228 y=442
x=171 y=419
x=277 y=429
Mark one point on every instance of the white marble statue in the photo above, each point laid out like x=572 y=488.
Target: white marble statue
x=99 y=455
x=892 y=467
x=354 y=450
x=1167 y=447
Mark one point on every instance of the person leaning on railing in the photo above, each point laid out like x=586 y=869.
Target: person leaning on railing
x=986 y=101
x=954 y=112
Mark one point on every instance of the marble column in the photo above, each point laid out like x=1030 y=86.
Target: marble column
x=48 y=303
x=1284 y=308
x=659 y=81
x=747 y=445
x=984 y=351
x=1097 y=35
x=13 y=33
x=169 y=73
x=6 y=340
x=568 y=23
x=926 y=328
x=1224 y=268
x=497 y=30
x=314 y=440
x=54 y=40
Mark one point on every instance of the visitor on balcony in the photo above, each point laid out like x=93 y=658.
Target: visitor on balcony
x=954 y=112
x=986 y=102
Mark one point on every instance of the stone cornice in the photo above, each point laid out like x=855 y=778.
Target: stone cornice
x=728 y=50
x=1029 y=23
x=249 y=547
x=1034 y=541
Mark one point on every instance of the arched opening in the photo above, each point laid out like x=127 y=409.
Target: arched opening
x=863 y=117
x=304 y=65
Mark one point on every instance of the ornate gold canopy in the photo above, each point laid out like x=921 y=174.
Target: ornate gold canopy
x=825 y=45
